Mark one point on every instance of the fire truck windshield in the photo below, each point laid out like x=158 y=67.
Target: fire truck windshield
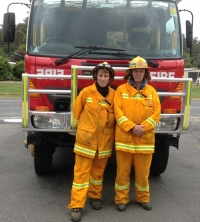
x=147 y=28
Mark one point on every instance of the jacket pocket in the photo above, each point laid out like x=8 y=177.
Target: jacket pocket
x=85 y=135
x=122 y=136
x=148 y=107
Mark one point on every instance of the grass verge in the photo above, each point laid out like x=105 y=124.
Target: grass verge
x=195 y=91
x=10 y=89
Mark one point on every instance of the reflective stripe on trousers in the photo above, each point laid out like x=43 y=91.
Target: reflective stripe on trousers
x=88 y=179
x=141 y=163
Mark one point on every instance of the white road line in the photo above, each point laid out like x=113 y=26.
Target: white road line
x=8 y=117
x=12 y=120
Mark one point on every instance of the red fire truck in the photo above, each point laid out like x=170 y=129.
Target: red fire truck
x=67 y=38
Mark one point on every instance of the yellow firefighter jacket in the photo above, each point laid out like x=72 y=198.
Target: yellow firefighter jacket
x=133 y=107
x=95 y=119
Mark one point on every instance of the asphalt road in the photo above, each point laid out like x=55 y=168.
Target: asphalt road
x=26 y=197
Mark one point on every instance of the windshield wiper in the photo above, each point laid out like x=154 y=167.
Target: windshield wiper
x=119 y=54
x=99 y=48
x=82 y=51
x=91 y=49
x=152 y=64
x=64 y=59
x=125 y=55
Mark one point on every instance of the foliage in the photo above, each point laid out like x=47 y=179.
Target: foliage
x=20 y=53
x=188 y=65
x=18 y=69
x=5 y=70
x=113 y=38
x=2 y=53
x=195 y=53
x=192 y=60
x=3 y=46
x=186 y=55
x=18 y=47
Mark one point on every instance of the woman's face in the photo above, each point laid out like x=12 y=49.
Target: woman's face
x=138 y=75
x=103 y=77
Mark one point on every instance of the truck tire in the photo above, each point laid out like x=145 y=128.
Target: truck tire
x=42 y=159
x=160 y=159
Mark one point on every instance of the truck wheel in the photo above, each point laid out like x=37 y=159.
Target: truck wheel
x=42 y=159
x=159 y=160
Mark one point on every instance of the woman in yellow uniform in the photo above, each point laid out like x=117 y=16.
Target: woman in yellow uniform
x=94 y=114
x=137 y=111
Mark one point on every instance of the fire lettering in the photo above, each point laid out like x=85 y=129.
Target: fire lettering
x=50 y=71
x=162 y=74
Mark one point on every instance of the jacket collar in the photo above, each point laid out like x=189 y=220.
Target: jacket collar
x=99 y=96
x=133 y=91
x=144 y=82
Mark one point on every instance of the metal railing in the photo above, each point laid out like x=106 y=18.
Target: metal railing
x=74 y=77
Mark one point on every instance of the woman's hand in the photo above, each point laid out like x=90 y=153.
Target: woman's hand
x=138 y=130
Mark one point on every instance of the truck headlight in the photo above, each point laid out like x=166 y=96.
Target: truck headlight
x=168 y=123
x=48 y=121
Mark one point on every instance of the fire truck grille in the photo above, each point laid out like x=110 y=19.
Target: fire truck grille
x=60 y=102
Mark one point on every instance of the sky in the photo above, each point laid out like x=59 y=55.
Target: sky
x=191 y=5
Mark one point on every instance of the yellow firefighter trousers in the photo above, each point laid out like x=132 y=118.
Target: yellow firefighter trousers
x=141 y=163
x=88 y=179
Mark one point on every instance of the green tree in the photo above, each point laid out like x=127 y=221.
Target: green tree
x=18 y=69
x=2 y=53
x=185 y=49
x=20 y=34
x=21 y=51
x=192 y=62
x=113 y=38
x=18 y=47
x=20 y=41
x=3 y=45
x=188 y=65
x=5 y=69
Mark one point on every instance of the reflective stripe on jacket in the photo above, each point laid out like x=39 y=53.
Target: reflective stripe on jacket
x=136 y=107
x=95 y=122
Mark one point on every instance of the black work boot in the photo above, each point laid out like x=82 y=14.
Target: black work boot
x=146 y=205
x=121 y=207
x=95 y=203
x=76 y=214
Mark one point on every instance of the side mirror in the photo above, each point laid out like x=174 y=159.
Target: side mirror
x=9 y=27
x=189 y=34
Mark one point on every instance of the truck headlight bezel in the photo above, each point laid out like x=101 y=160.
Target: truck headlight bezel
x=48 y=121
x=168 y=123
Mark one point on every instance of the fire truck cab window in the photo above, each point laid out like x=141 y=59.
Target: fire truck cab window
x=139 y=27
